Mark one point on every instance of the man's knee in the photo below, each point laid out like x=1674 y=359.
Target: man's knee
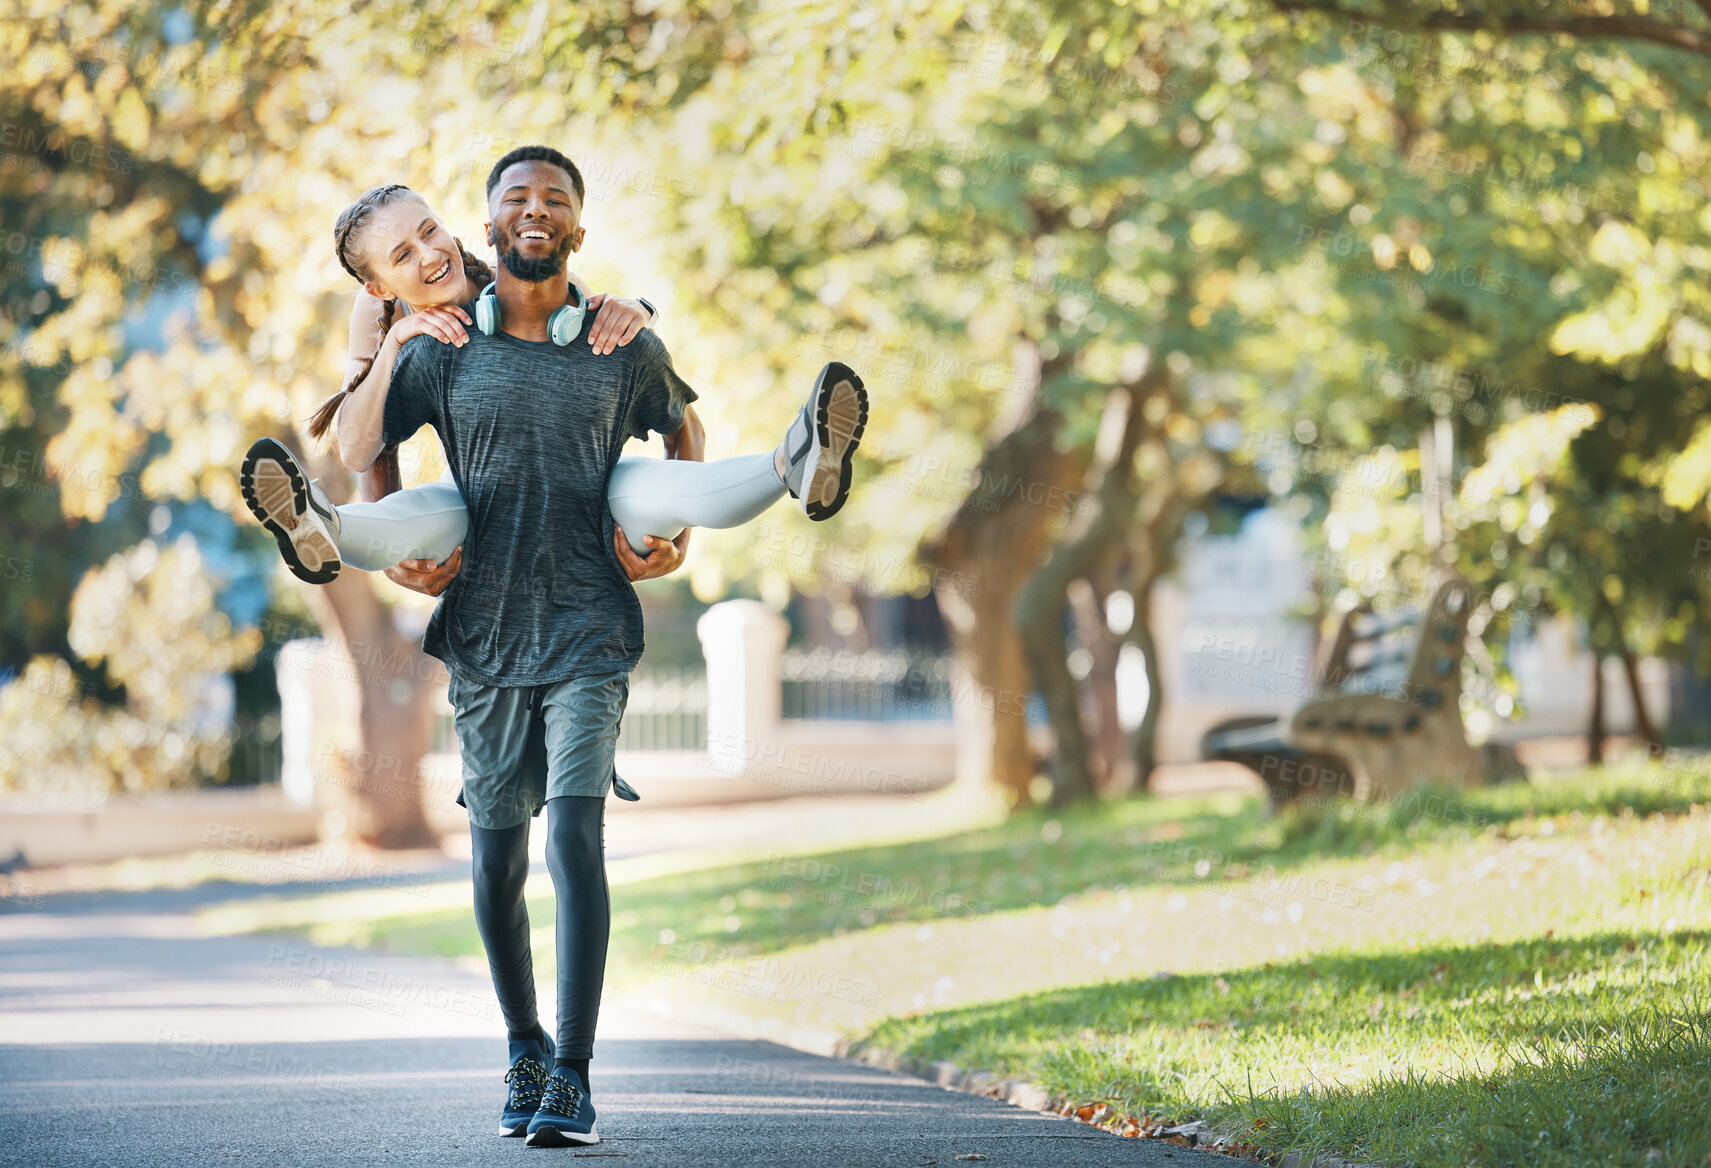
x=574 y=835
x=499 y=860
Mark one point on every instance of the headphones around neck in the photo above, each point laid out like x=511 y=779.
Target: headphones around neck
x=563 y=326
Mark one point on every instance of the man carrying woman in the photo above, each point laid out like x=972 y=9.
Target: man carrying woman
x=533 y=399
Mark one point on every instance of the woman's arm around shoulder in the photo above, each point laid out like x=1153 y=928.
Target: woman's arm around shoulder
x=377 y=332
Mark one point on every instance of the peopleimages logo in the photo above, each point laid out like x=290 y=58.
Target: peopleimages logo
x=77 y=151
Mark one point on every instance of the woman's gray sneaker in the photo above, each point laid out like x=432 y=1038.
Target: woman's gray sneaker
x=303 y=522
x=822 y=440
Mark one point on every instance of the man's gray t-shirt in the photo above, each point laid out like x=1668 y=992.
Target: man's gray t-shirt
x=532 y=432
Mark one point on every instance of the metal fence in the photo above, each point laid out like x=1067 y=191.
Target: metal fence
x=896 y=686
x=256 y=752
x=667 y=709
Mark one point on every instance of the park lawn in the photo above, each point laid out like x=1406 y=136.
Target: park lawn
x=1036 y=857
x=1587 y=1049
x=1505 y=976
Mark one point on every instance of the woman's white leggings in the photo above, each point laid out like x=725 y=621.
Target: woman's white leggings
x=648 y=496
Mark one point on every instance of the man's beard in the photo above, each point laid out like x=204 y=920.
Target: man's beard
x=536 y=269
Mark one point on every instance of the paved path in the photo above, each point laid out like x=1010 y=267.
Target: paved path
x=129 y=1038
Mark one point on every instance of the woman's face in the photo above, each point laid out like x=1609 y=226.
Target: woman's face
x=412 y=256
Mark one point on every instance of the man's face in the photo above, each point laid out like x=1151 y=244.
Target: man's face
x=533 y=220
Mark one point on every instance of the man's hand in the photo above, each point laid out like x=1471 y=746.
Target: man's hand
x=425 y=576
x=665 y=556
x=616 y=322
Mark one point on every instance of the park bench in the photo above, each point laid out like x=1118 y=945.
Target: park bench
x=1386 y=713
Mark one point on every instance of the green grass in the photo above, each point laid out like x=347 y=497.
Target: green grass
x=1333 y=826
x=1608 y=1094
x=1514 y=975
x=1038 y=857
x=1593 y=1050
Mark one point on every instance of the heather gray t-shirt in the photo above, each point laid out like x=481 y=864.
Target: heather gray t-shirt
x=532 y=432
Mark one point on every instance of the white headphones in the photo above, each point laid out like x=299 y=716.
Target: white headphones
x=563 y=326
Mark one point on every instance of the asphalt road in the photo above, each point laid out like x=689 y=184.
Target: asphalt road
x=127 y=1037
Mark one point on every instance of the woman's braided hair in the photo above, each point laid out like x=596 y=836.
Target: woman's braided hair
x=347 y=230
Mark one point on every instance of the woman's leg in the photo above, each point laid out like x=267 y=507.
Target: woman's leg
x=422 y=523
x=662 y=496
x=500 y=866
x=576 y=857
x=316 y=538
x=652 y=496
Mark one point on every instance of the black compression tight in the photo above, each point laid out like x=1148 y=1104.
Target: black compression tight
x=576 y=859
x=500 y=865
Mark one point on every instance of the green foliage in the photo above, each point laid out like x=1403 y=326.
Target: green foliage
x=1327 y=237
x=1531 y=241
x=147 y=617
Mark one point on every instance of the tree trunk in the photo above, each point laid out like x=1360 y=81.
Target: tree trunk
x=979 y=563
x=1162 y=509
x=1041 y=609
x=375 y=781
x=1144 y=750
x=1643 y=724
x=1040 y=612
x=1642 y=717
x=1111 y=764
x=1595 y=723
x=1631 y=668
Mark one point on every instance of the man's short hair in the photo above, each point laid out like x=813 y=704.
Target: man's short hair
x=537 y=154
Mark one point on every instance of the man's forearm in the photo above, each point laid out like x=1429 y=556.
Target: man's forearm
x=382 y=477
x=690 y=441
x=362 y=417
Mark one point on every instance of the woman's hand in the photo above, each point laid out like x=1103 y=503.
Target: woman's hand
x=616 y=322
x=443 y=322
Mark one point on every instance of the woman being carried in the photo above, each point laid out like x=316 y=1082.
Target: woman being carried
x=391 y=242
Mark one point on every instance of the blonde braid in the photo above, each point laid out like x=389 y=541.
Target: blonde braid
x=322 y=419
x=350 y=221
x=354 y=216
x=475 y=268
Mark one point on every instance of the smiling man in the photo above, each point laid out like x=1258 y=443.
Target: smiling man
x=541 y=628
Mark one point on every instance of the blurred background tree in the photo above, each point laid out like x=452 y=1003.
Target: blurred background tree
x=1103 y=265
x=1541 y=223
x=172 y=177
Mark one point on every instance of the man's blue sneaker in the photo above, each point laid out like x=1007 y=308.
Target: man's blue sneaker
x=528 y=1078
x=566 y=1115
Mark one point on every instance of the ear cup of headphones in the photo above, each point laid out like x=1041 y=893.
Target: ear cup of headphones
x=487 y=310
x=565 y=324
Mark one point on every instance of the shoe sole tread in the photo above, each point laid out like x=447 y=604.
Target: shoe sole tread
x=273 y=486
x=840 y=418
x=552 y=1137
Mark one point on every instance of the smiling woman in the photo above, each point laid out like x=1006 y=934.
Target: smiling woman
x=402 y=243
x=404 y=255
